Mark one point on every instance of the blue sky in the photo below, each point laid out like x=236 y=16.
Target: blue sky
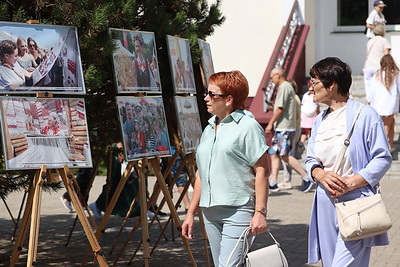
x=44 y=35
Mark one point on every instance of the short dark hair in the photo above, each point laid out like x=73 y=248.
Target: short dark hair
x=7 y=47
x=332 y=70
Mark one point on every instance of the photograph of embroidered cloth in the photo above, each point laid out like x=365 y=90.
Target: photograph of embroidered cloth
x=269 y=256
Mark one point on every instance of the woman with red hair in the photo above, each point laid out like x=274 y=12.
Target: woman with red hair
x=231 y=185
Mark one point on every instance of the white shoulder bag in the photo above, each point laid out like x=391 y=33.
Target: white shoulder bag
x=362 y=217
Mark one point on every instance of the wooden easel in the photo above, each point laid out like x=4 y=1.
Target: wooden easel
x=83 y=196
x=188 y=161
x=32 y=211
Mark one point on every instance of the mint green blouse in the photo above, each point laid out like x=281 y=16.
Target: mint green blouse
x=225 y=159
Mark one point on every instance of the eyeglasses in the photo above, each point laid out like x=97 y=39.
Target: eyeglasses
x=212 y=94
x=314 y=82
x=272 y=76
x=31 y=45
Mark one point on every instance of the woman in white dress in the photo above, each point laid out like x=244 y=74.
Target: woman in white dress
x=385 y=94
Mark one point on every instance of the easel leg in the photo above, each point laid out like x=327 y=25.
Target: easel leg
x=156 y=167
x=35 y=218
x=67 y=179
x=192 y=177
x=19 y=214
x=143 y=214
x=9 y=211
x=100 y=228
x=128 y=214
x=24 y=223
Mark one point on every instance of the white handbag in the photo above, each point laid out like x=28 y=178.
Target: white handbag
x=270 y=256
x=362 y=217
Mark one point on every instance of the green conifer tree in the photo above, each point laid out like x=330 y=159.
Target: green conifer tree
x=189 y=19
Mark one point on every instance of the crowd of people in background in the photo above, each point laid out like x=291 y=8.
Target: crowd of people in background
x=144 y=129
x=381 y=74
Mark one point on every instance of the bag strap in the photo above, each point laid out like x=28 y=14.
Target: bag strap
x=246 y=245
x=346 y=142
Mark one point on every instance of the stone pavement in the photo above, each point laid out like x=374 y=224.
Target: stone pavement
x=288 y=218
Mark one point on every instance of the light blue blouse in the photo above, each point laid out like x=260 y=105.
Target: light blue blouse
x=226 y=157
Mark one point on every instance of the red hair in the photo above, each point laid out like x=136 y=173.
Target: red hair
x=232 y=83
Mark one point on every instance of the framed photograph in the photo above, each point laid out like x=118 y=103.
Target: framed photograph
x=206 y=60
x=181 y=65
x=135 y=61
x=40 y=131
x=189 y=122
x=144 y=127
x=40 y=58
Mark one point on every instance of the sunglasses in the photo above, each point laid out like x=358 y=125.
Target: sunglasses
x=211 y=94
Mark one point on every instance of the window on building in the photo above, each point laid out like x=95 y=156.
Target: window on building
x=355 y=12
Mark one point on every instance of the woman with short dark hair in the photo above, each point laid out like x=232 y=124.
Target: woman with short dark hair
x=366 y=161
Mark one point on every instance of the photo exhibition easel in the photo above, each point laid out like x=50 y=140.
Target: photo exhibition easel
x=33 y=206
x=188 y=162
x=141 y=167
x=32 y=213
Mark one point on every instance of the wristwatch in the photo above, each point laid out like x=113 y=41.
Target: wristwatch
x=263 y=211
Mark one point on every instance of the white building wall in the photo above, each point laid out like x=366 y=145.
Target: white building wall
x=347 y=43
x=247 y=38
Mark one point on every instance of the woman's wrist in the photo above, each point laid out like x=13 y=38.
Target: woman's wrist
x=261 y=210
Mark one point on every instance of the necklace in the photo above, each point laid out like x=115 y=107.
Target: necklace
x=8 y=66
x=12 y=68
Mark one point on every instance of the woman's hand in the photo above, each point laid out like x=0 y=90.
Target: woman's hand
x=258 y=224
x=352 y=182
x=334 y=183
x=187 y=226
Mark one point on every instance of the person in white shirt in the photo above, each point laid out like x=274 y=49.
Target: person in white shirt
x=385 y=95
x=12 y=75
x=375 y=17
x=377 y=47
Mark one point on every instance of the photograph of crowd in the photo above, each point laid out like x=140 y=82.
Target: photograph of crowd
x=135 y=61
x=39 y=58
x=40 y=131
x=144 y=127
x=189 y=122
x=206 y=60
x=181 y=65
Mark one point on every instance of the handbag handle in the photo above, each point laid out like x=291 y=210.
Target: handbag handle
x=346 y=142
x=246 y=245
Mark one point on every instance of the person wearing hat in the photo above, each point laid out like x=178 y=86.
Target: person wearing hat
x=375 y=17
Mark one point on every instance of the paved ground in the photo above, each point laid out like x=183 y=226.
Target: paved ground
x=288 y=220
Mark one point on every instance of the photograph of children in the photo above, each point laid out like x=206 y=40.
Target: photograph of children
x=181 y=65
x=206 y=60
x=39 y=58
x=189 y=122
x=135 y=61
x=44 y=131
x=144 y=127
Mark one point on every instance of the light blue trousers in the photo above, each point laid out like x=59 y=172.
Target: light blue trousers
x=224 y=224
x=334 y=251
